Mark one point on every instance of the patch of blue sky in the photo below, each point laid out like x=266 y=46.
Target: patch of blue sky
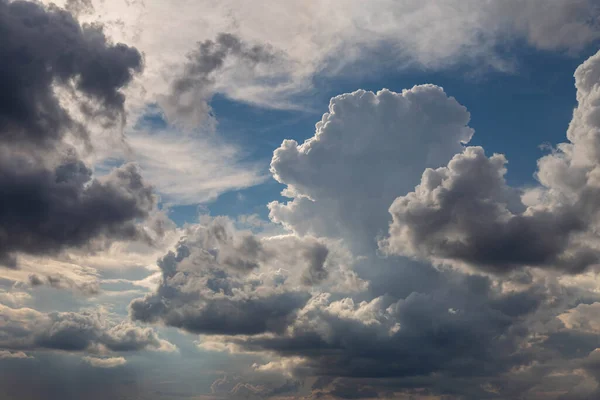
x=513 y=113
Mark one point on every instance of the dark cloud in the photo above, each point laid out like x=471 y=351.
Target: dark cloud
x=187 y=101
x=316 y=271
x=466 y=213
x=27 y=329
x=45 y=210
x=50 y=198
x=223 y=281
x=208 y=285
x=466 y=328
x=47 y=46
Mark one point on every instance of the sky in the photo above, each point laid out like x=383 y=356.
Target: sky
x=300 y=199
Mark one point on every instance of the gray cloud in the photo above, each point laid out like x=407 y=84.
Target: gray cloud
x=62 y=282
x=47 y=46
x=465 y=328
x=187 y=101
x=368 y=149
x=28 y=329
x=222 y=281
x=50 y=198
x=465 y=212
x=47 y=210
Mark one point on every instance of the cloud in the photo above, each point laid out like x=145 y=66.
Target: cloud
x=28 y=329
x=297 y=306
x=78 y=7
x=47 y=210
x=444 y=331
x=366 y=150
x=421 y=331
x=465 y=212
x=223 y=281
x=51 y=199
x=63 y=282
x=5 y=354
x=109 y=362
x=192 y=168
x=187 y=102
x=324 y=38
x=49 y=47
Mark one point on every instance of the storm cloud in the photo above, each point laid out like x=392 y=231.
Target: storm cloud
x=51 y=199
x=46 y=46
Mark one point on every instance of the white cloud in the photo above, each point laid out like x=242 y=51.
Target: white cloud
x=324 y=36
x=369 y=148
x=189 y=169
x=109 y=362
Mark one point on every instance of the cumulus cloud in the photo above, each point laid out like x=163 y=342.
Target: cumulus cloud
x=88 y=331
x=444 y=331
x=49 y=47
x=5 y=354
x=292 y=304
x=51 y=199
x=465 y=212
x=437 y=332
x=224 y=281
x=366 y=150
x=48 y=210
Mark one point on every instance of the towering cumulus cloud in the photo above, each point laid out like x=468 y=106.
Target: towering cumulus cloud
x=50 y=198
x=465 y=213
x=368 y=149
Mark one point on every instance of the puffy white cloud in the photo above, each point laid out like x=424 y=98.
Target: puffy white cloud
x=368 y=149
